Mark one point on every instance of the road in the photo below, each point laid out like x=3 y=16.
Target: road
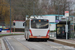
x=19 y=43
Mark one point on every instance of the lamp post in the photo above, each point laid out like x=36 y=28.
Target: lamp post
x=33 y=8
x=10 y=16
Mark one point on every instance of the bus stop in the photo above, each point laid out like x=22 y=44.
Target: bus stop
x=60 y=30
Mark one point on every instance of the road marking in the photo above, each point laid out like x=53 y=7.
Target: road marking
x=8 y=43
x=52 y=46
x=67 y=47
x=21 y=44
x=9 y=38
x=20 y=38
x=58 y=47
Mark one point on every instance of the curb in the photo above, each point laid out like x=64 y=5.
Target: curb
x=63 y=42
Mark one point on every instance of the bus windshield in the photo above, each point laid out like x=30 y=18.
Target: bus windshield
x=39 y=23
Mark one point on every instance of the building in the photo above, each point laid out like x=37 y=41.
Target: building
x=18 y=26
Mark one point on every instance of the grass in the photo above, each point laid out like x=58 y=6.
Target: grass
x=9 y=34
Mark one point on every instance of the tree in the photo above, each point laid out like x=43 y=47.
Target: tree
x=31 y=8
x=61 y=6
x=56 y=6
x=25 y=7
x=5 y=11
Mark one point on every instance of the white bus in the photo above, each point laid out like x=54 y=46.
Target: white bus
x=37 y=29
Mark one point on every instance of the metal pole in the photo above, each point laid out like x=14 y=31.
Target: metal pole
x=73 y=27
x=66 y=30
x=51 y=34
x=58 y=9
x=33 y=8
x=10 y=16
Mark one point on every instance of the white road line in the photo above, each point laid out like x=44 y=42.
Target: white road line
x=10 y=45
x=59 y=47
x=9 y=38
x=21 y=43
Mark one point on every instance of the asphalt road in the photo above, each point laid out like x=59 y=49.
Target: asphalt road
x=19 y=43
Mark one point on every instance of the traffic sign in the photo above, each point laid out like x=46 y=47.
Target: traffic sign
x=66 y=13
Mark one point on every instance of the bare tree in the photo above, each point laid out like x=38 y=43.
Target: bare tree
x=39 y=7
x=60 y=6
x=56 y=6
x=26 y=7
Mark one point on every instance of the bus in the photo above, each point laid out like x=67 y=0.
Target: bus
x=37 y=29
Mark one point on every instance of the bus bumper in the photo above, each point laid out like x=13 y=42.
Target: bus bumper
x=39 y=37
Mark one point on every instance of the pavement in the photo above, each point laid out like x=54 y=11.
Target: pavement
x=69 y=42
x=2 y=46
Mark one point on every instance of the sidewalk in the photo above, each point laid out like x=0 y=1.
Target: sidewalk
x=68 y=42
x=2 y=46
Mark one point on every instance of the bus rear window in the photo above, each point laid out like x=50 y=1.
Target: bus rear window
x=39 y=23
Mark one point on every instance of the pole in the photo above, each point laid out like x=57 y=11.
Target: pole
x=14 y=28
x=73 y=27
x=58 y=9
x=33 y=8
x=10 y=16
x=66 y=30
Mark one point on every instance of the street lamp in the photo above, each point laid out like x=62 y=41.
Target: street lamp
x=33 y=8
x=10 y=16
